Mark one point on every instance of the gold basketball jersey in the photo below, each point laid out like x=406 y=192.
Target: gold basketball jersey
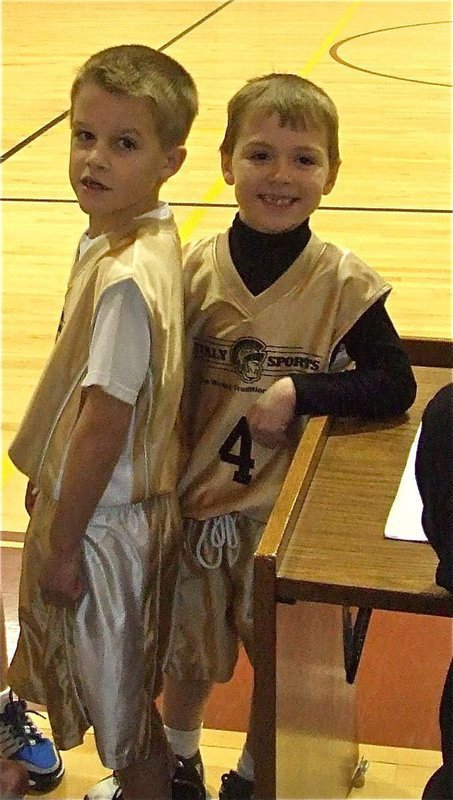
x=150 y=255
x=238 y=345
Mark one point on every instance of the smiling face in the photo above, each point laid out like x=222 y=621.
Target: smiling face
x=117 y=163
x=279 y=174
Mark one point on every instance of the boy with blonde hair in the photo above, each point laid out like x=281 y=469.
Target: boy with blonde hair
x=273 y=316
x=99 y=439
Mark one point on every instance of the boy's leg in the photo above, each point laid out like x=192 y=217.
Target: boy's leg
x=144 y=781
x=211 y=606
x=129 y=731
x=239 y=783
x=183 y=703
x=149 y=779
x=182 y=713
x=203 y=645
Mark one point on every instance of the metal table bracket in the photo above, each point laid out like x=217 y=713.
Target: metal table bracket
x=354 y=634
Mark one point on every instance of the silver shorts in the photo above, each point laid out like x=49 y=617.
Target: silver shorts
x=100 y=663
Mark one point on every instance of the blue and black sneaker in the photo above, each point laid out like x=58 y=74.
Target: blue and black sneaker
x=21 y=741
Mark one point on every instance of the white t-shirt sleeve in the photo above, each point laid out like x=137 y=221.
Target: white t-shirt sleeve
x=120 y=344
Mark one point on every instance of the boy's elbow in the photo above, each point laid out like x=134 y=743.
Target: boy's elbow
x=104 y=415
x=405 y=393
x=398 y=393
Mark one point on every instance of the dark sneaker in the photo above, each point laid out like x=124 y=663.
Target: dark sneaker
x=182 y=788
x=22 y=742
x=188 y=780
x=235 y=787
x=107 y=789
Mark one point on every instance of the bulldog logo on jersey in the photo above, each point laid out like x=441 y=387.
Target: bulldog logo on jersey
x=248 y=357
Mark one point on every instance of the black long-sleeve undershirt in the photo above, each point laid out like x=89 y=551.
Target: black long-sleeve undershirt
x=382 y=383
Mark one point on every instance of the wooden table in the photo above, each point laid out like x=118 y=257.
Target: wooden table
x=324 y=545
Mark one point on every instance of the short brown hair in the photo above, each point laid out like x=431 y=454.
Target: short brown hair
x=295 y=99
x=139 y=71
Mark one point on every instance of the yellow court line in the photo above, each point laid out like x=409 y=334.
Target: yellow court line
x=190 y=224
x=330 y=38
x=186 y=228
x=8 y=469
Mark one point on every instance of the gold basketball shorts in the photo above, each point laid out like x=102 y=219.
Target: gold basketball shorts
x=213 y=605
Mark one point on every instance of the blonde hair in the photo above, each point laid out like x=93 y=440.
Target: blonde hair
x=139 y=71
x=296 y=100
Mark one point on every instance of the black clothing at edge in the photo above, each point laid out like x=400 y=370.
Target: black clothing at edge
x=382 y=383
x=434 y=473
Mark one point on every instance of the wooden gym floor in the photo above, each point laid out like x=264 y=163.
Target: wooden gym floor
x=387 y=65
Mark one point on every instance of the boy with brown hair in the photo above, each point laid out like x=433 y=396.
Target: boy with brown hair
x=274 y=315
x=99 y=438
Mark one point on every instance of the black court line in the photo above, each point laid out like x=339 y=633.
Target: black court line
x=32 y=137
x=20 y=145
x=334 y=53
x=196 y=24
x=188 y=204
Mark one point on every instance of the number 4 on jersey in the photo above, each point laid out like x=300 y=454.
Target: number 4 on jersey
x=243 y=459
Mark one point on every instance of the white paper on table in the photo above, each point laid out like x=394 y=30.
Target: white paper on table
x=405 y=518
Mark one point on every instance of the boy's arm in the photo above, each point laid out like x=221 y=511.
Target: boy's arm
x=96 y=444
x=118 y=364
x=14 y=781
x=269 y=417
x=381 y=385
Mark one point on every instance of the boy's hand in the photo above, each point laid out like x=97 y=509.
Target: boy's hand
x=271 y=415
x=61 y=582
x=13 y=780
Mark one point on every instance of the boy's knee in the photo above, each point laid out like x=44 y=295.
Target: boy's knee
x=186 y=691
